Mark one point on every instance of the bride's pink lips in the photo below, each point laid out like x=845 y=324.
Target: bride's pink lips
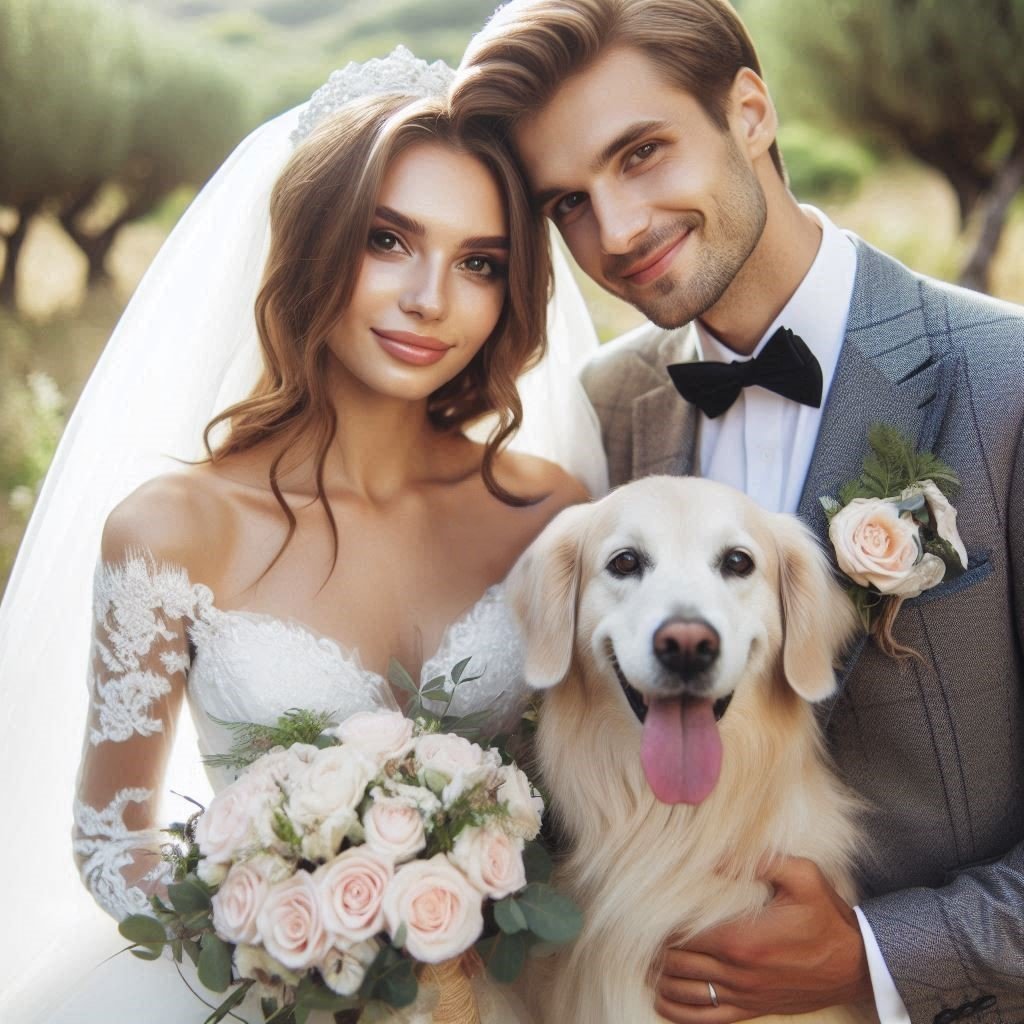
x=417 y=349
x=654 y=268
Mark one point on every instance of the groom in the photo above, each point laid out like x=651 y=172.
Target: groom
x=648 y=137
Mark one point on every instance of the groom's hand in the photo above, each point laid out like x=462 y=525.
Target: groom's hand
x=803 y=952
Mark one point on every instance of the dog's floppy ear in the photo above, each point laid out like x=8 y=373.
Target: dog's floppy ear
x=542 y=590
x=818 y=617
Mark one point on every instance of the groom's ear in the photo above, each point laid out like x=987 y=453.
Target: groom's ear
x=542 y=589
x=752 y=116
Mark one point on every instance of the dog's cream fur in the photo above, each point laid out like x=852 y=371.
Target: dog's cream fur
x=643 y=871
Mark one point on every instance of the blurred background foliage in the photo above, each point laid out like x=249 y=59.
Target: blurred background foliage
x=902 y=119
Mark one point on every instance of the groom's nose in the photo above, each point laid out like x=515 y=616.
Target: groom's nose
x=621 y=220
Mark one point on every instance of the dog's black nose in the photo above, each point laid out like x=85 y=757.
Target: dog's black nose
x=686 y=647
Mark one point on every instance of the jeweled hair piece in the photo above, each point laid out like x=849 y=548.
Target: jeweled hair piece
x=399 y=72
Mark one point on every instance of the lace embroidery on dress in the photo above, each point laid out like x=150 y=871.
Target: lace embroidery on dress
x=134 y=602
x=107 y=846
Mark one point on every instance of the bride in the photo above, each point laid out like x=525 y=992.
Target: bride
x=343 y=516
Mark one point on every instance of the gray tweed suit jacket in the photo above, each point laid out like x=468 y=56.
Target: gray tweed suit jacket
x=937 y=748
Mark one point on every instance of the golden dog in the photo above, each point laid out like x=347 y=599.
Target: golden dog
x=675 y=600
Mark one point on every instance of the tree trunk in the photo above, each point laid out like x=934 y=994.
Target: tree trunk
x=14 y=242
x=1007 y=183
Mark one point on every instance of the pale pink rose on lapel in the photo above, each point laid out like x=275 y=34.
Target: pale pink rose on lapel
x=491 y=860
x=352 y=893
x=877 y=546
x=289 y=922
x=381 y=734
x=237 y=903
x=440 y=909
x=394 y=827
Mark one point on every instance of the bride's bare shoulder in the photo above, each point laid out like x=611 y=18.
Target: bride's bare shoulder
x=180 y=518
x=537 y=478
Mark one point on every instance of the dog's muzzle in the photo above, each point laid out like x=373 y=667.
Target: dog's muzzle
x=635 y=698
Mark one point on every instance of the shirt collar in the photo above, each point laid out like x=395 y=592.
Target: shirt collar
x=817 y=310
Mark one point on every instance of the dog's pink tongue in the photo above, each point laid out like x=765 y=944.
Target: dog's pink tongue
x=681 y=751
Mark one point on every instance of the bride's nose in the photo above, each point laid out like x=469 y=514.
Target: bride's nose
x=424 y=295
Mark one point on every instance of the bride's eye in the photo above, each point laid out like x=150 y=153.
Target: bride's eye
x=483 y=266
x=385 y=241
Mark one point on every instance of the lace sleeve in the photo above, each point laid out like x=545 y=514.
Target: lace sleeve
x=138 y=670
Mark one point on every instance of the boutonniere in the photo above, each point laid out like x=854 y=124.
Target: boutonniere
x=894 y=530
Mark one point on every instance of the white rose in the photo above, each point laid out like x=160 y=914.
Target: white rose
x=523 y=805
x=270 y=976
x=491 y=860
x=237 y=902
x=343 y=970
x=332 y=784
x=383 y=735
x=943 y=516
x=226 y=827
x=465 y=779
x=290 y=925
x=351 y=894
x=439 y=908
x=447 y=755
x=394 y=828
x=877 y=546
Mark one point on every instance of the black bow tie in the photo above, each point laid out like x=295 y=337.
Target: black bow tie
x=786 y=366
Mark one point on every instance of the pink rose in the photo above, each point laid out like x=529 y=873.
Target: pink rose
x=394 y=828
x=351 y=894
x=383 y=735
x=226 y=827
x=290 y=925
x=491 y=860
x=441 y=911
x=237 y=902
x=877 y=546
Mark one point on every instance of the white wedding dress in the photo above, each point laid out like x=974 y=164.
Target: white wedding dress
x=155 y=629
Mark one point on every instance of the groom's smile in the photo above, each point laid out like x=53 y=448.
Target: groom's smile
x=657 y=203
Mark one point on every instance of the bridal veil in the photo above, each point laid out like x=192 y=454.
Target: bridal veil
x=185 y=348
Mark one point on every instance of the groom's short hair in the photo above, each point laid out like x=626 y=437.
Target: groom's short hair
x=517 y=62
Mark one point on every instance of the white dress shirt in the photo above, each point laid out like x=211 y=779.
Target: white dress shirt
x=763 y=445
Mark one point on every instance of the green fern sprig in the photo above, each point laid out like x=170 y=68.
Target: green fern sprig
x=252 y=740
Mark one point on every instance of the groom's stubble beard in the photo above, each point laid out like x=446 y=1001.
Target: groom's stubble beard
x=740 y=214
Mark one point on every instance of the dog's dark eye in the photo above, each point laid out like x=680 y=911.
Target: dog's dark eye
x=737 y=563
x=625 y=563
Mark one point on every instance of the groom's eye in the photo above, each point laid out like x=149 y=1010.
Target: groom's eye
x=568 y=203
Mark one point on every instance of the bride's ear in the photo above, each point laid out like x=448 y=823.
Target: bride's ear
x=542 y=589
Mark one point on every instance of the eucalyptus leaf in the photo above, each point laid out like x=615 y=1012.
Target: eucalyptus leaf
x=143 y=929
x=214 y=966
x=191 y=948
x=398 y=676
x=268 y=1007
x=230 y=1003
x=390 y=978
x=504 y=955
x=459 y=668
x=509 y=917
x=147 y=952
x=537 y=862
x=188 y=897
x=550 y=915
x=435 y=689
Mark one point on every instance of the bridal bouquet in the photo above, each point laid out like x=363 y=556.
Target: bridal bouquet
x=347 y=860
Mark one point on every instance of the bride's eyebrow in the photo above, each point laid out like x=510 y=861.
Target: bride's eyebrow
x=414 y=227
x=485 y=242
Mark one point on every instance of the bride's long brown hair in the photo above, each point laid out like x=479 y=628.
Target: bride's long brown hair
x=321 y=212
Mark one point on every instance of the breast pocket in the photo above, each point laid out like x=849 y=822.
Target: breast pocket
x=979 y=569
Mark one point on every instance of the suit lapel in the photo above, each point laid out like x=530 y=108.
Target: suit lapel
x=664 y=424
x=888 y=372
